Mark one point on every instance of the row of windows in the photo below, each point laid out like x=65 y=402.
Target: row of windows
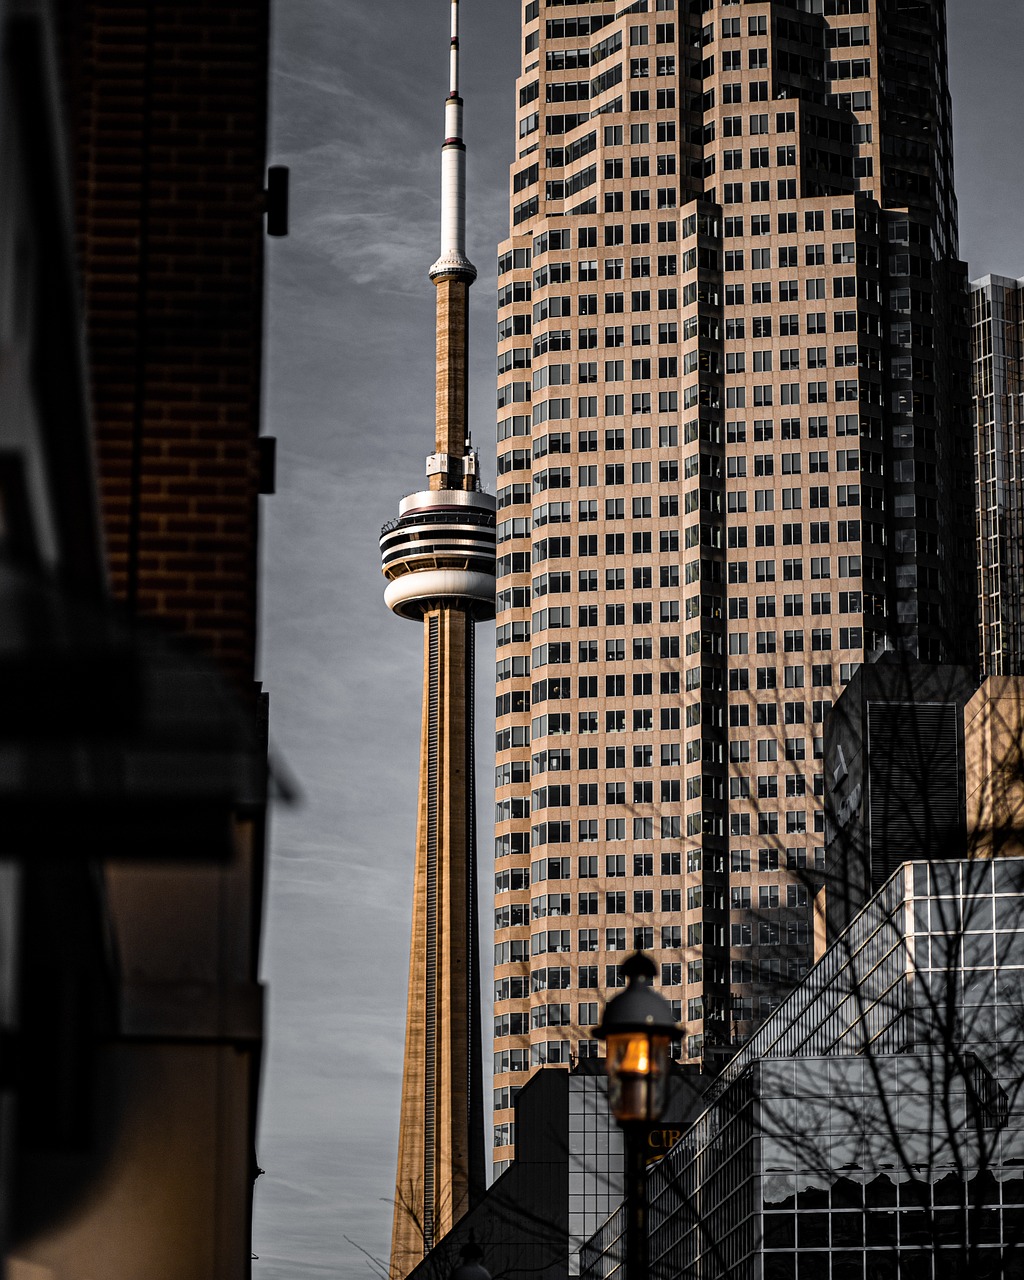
x=670 y=682
x=668 y=436
x=734 y=225
x=640 y=68
x=642 y=611
x=768 y=896
x=737 y=571
x=817 y=460
x=612 y=406
x=587 y=442
x=614 y=794
x=789 y=290
x=802 y=32
x=666 y=264
x=769 y=933
x=560 y=868
x=582 y=91
x=517 y=879
x=546 y=1015
x=562 y=408
x=642 y=508
x=843 y=252
x=552 y=1051
x=672 y=827
x=614 y=473
x=669 y=611
x=640 y=938
x=643 y=790
x=759 y=158
x=768 y=970
x=559 y=796
x=790 y=393
x=587 y=977
x=552 y=725
x=640 y=335
x=670 y=862
x=760 y=224
x=789 y=359
x=558 y=652
x=615 y=829
x=642 y=368
x=557 y=759
x=614 y=902
x=613 y=304
x=515 y=736
x=792 y=607
x=787 y=223
x=707 y=361
x=761 y=191
x=761 y=292
x=560 y=832
x=640 y=199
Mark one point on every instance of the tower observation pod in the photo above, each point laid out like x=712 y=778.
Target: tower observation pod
x=441 y=550
x=439 y=560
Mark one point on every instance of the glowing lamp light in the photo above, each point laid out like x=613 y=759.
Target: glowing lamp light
x=638 y=1026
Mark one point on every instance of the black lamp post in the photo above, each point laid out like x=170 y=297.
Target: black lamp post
x=638 y=1026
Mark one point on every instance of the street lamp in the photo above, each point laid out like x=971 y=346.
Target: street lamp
x=638 y=1027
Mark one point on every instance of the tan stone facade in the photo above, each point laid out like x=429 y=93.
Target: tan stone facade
x=452 y=345
x=994 y=758
x=732 y=466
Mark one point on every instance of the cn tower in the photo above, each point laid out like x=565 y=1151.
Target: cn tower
x=439 y=559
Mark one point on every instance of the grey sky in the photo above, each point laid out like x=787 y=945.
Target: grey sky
x=357 y=96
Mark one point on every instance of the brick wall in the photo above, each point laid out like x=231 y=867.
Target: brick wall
x=167 y=104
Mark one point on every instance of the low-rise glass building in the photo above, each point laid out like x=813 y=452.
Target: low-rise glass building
x=871 y=1128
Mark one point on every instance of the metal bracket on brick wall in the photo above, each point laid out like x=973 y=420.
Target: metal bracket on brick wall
x=275 y=198
x=267 y=455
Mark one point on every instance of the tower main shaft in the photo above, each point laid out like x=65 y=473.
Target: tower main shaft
x=439 y=558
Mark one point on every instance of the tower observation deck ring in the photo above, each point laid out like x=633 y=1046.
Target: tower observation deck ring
x=441 y=549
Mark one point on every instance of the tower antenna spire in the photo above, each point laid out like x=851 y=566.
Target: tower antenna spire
x=453 y=173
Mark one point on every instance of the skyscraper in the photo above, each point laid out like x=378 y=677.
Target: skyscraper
x=997 y=349
x=439 y=559
x=734 y=463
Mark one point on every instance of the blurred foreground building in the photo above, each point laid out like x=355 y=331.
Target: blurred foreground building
x=133 y=778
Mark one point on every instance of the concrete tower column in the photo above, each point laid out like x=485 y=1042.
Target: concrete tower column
x=439 y=558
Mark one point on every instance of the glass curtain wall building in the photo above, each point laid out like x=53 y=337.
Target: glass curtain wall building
x=733 y=464
x=997 y=349
x=871 y=1127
